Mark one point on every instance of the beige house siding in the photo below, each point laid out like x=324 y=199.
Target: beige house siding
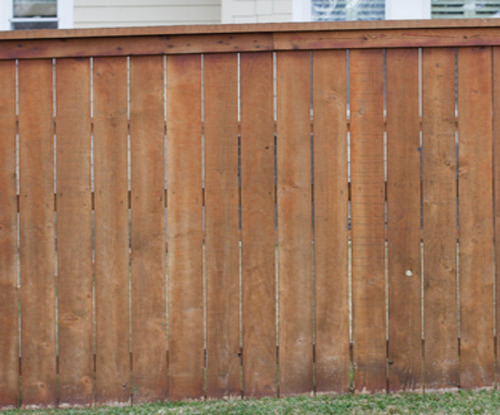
x=256 y=11
x=114 y=13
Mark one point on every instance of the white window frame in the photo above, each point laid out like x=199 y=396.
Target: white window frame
x=302 y=11
x=64 y=14
x=407 y=10
x=394 y=10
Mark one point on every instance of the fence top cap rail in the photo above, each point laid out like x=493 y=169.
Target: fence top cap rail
x=248 y=28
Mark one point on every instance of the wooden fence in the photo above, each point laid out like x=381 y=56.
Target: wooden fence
x=248 y=211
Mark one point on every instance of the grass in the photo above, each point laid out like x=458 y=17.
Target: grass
x=482 y=402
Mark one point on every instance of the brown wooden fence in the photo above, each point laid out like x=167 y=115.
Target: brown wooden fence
x=248 y=210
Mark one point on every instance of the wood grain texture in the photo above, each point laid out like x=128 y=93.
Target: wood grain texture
x=258 y=38
x=440 y=219
x=476 y=227
x=135 y=46
x=257 y=226
x=111 y=231
x=185 y=227
x=330 y=221
x=403 y=217
x=361 y=38
x=496 y=157
x=149 y=320
x=36 y=215
x=294 y=223
x=144 y=31
x=74 y=232
x=368 y=240
x=9 y=326
x=221 y=225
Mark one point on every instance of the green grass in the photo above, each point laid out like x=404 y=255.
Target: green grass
x=482 y=402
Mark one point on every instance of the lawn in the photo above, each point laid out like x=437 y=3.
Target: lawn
x=482 y=402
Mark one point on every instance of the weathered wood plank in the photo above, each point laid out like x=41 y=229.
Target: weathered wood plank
x=496 y=158
x=74 y=232
x=221 y=225
x=403 y=217
x=368 y=240
x=36 y=216
x=134 y=46
x=9 y=326
x=257 y=226
x=367 y=25
x=149 y=328
x=185 y=227
x=330 y=221
x=111 y=231
x=144 y=31
x=361 y=38
x=294 y=223
x=476 y=227
x=440 y=219
x=258 y=38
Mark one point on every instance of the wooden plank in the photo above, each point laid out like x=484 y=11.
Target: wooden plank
x=330 y=221
x=257 y=226
x=386 y=38
x=135 y=46
x=340 y=35
x=221 y=225
x=403 y=217
x=111 y=231
x=149 y=328
x=476 y=225
x=74 y=233
x=496 y=157
x=36 y=215
x=294 y=223
x=368 y=241
x=9 y=326
x=185 y=227
x=367 y=25
x=440 y=219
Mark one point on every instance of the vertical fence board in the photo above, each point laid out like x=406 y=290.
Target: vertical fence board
x=149 y=337
x=476 y=217
x=185 y=227
x=36 y=141
x=221 y=225
x=257 y=225
x=403 y=216
x=111 y=230
x=294 y=223
x=330 y=221
x=496 y=156
x=74 y=218
x=309 y=185
x=368 y=243
x=440 y=219
x=9 y=336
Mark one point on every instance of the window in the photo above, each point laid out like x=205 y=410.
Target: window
x=459 y=9
x=319 y=10
x=36 y=14
x=322 y=10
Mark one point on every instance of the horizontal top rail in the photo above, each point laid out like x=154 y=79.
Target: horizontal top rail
x=34 y=44
x=250 y=28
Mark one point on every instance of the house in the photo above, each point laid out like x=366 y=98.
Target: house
x=36 y=14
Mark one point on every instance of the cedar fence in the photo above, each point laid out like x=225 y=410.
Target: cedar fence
x=262 y=210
